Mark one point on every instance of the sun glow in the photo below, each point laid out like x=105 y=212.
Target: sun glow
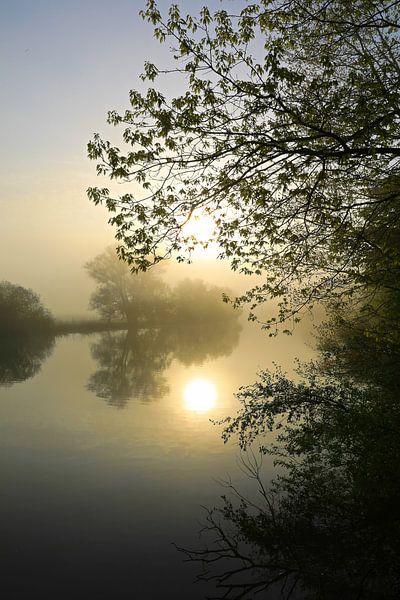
x=202 y=228
x=200 y=395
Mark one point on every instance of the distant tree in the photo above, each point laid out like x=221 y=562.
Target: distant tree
x=21 y=310
x=121 y=294
x=287 y=125
x=194 y=299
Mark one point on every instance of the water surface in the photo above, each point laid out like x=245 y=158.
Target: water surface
x=108 y=453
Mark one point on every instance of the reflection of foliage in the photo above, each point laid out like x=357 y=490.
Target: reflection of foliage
x=199 y=327
x=328 y=527
x=366 y=351
x=197 y=342
x=22 y=356
x=21 y=310
x=131 y=366
x=318 y=533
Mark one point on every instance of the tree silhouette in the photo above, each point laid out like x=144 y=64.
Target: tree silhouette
x=121 y=294
x=287 y=126
x=21 y=310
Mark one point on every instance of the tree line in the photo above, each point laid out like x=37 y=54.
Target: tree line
x=121 y=299
x=148 y=324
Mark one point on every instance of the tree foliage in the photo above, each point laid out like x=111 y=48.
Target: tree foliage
x=286 y=132
x=21 y=310
x=189 y=309
x=121 y=294
x=26 y=333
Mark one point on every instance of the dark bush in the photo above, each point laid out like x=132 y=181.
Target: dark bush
x=21 y=310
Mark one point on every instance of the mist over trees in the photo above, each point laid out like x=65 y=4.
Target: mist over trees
x=122 y=295
x=145 y=299
x=188 y=322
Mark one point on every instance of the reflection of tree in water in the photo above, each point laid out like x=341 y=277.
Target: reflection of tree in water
x=131 y=366
x=132 y=363
x=21 y=357
x=26 y=333
x=329 y=525
x=200 y=327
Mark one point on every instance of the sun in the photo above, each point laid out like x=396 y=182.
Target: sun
x=200 y=395
x=201 y=227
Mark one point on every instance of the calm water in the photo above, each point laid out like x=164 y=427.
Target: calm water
x=108 y=453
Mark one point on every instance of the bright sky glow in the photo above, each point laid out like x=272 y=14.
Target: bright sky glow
x=201 y=227
x=200 y=395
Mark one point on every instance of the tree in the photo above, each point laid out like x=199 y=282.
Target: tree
x=21 y=311
x=121 y=294
x=287 y=126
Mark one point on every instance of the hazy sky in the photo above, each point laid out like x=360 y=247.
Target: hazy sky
x=63 y=65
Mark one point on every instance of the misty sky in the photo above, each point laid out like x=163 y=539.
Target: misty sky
x=63 y=65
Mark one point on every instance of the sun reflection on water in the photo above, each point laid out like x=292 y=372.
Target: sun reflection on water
x=200 y=395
